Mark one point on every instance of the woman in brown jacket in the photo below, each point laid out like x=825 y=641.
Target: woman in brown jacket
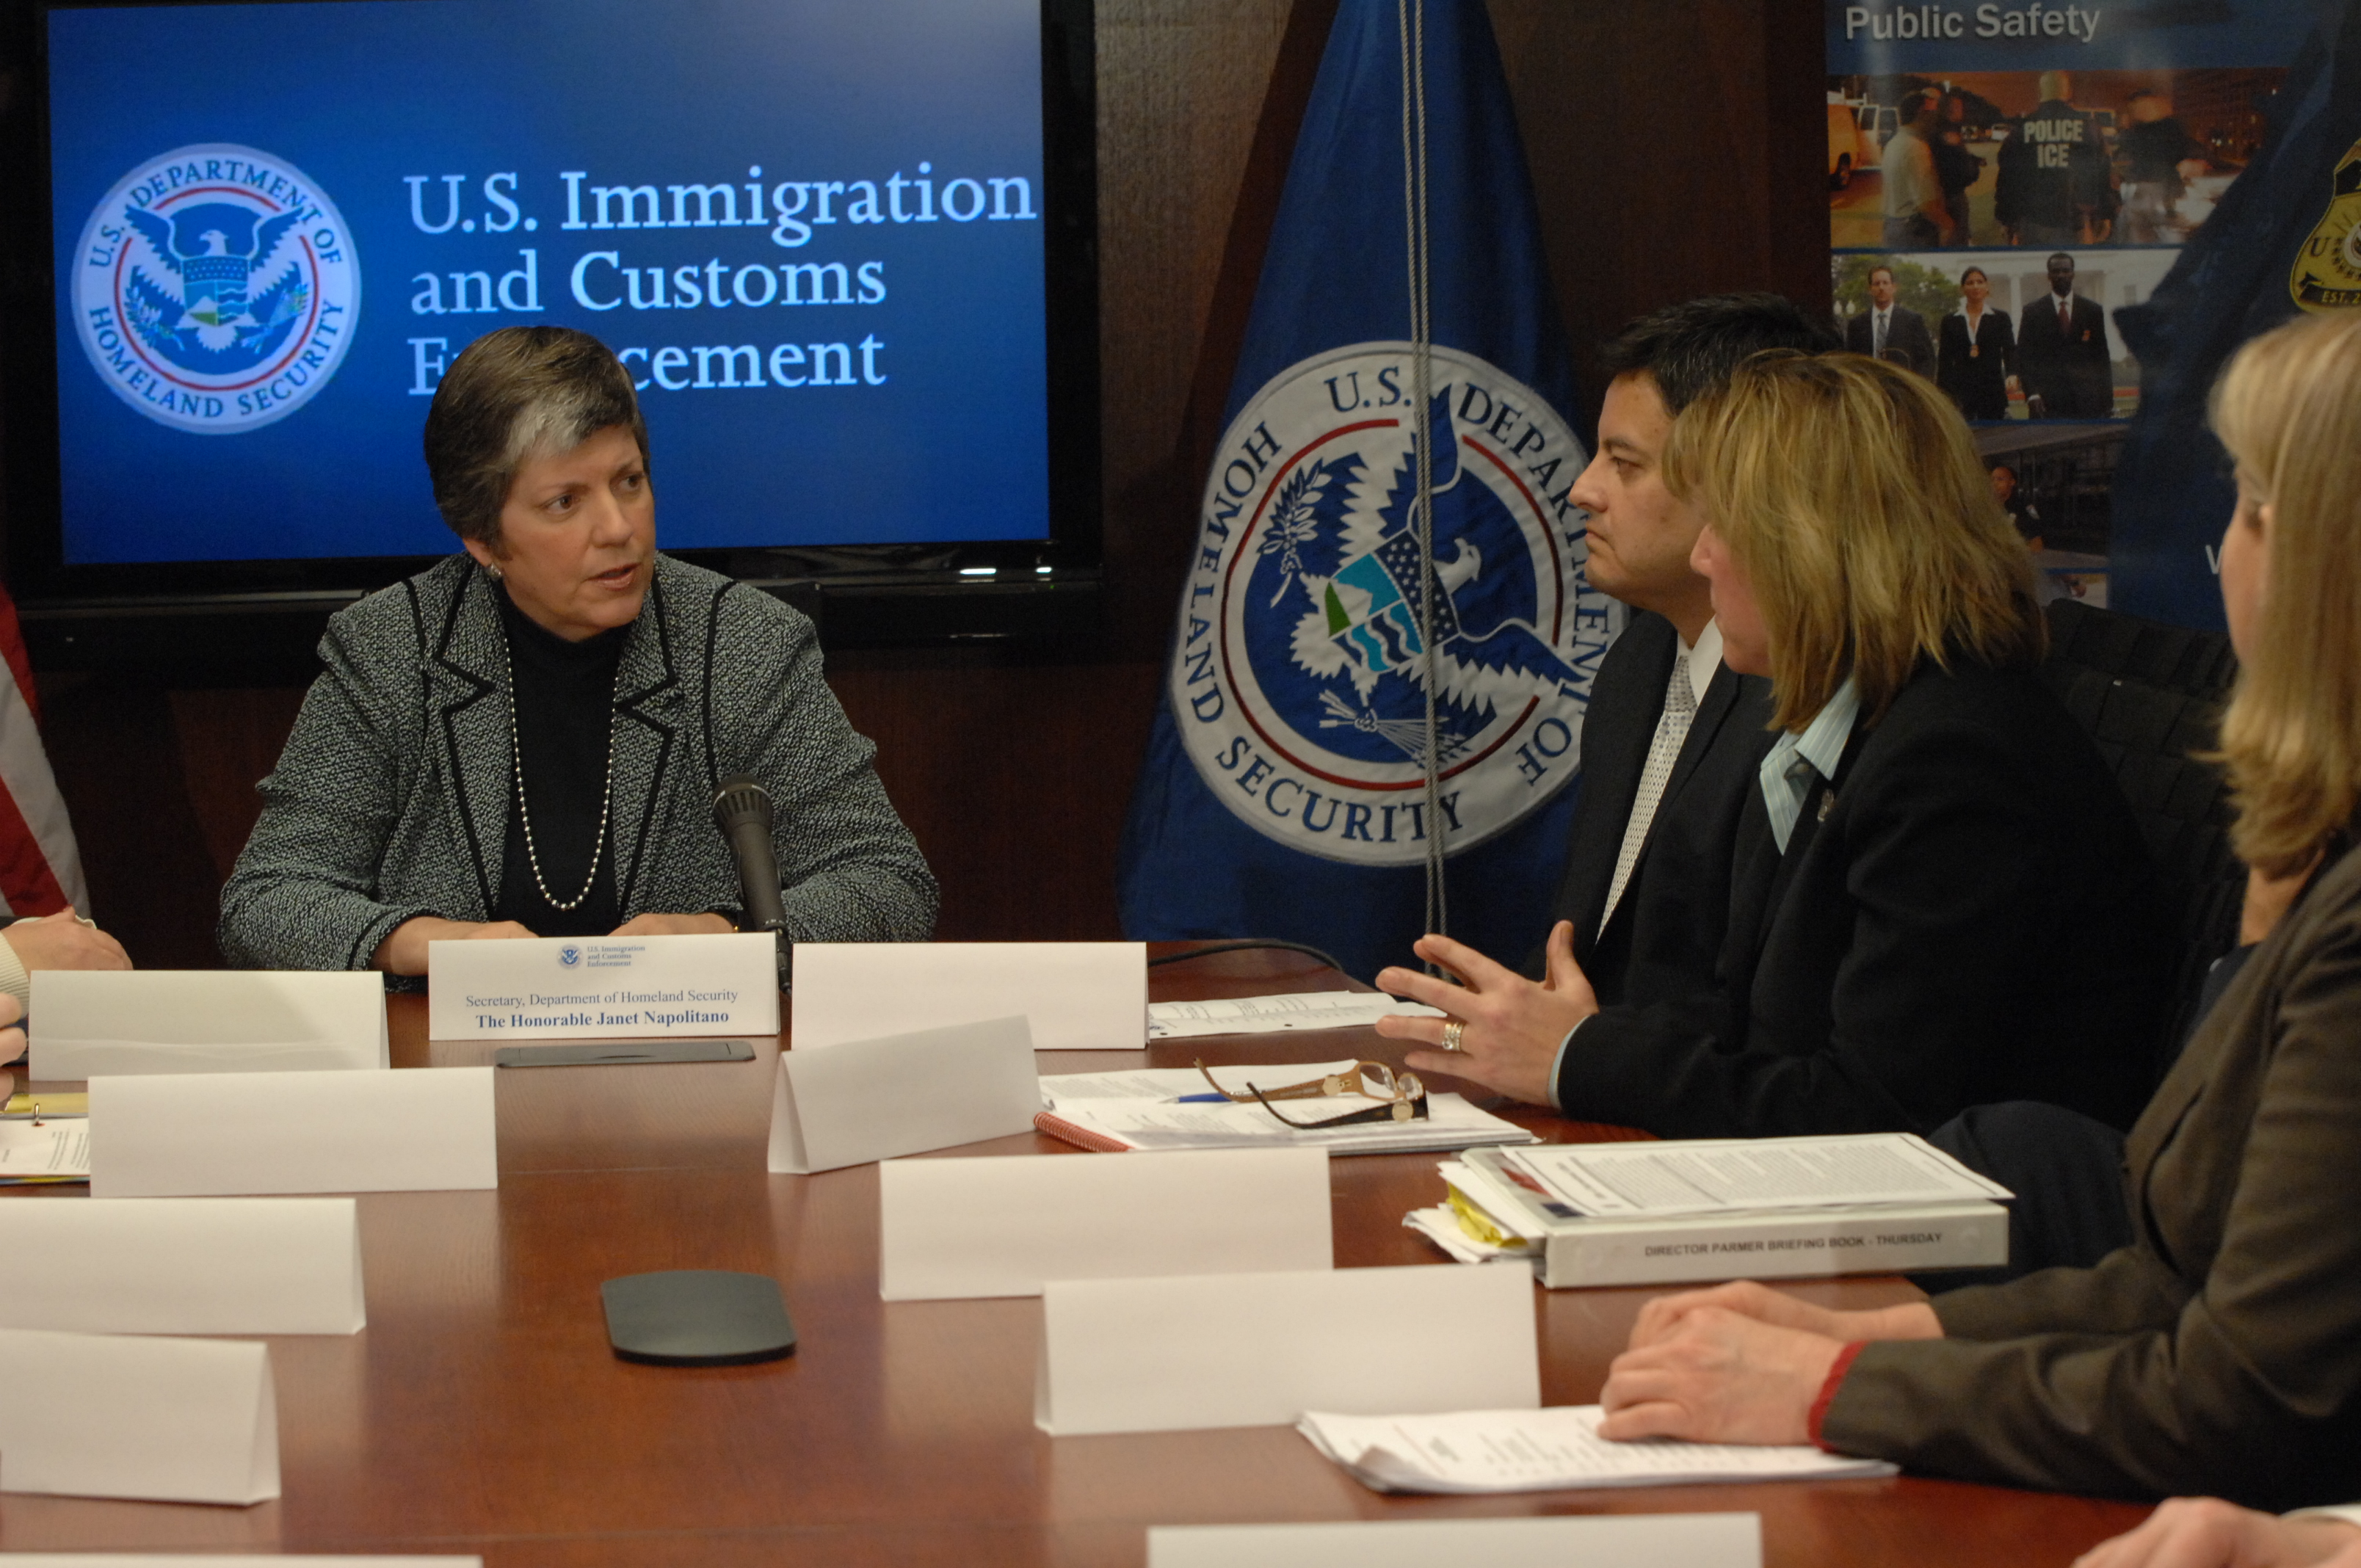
x=2220 y=1352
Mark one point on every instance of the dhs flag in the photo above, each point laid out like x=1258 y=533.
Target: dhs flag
x=1345 y=701
x=2286 y=238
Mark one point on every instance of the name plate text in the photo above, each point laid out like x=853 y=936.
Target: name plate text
x=603 y=987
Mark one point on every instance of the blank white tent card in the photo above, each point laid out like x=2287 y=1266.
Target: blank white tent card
x=904 y=1094
x=1002 y=1227
x=167 y=1421
x=1248 y=1350
x=1644 y=1541
x=293 y=1132
x=1078 y=996
x=86 y=1023
x=604 y=988
x=182 y=1265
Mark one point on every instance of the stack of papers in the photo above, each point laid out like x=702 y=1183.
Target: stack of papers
x=1112 y=1112
x=1269 y=1014
x=1719 y=1209
x=1728 y=1175
x=46 y=1150
x=1548 y=1450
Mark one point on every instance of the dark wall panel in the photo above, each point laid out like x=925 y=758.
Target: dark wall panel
x=1659 y=173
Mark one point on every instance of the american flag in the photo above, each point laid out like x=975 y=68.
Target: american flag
x=40 y=869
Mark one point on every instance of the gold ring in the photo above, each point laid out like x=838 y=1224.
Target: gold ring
x=1451 y=1033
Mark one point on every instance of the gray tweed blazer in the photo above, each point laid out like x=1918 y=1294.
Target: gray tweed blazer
x=393 y=796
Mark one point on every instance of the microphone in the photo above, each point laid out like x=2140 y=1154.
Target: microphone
x=742 y=809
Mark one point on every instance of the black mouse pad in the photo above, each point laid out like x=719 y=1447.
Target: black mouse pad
x=697 y=1317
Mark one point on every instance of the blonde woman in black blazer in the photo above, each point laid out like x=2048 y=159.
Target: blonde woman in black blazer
x=2220 y=1351
x=1939 y=896
x=1975 y=352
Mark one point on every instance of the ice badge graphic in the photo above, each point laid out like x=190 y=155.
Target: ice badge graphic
x=2327 y=272
x=1297 y=681
x=215 y=289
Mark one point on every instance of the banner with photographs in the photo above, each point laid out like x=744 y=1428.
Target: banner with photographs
x=2002 y=180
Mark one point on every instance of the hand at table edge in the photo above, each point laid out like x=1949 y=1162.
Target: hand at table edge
x=403 y=951
x=2206 y=1532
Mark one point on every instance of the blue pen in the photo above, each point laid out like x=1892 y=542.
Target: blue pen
x=1200 y=1099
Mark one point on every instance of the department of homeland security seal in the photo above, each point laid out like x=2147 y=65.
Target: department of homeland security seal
x=215 y=289
x=1298 y=669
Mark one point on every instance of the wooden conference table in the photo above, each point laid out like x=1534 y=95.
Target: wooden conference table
x=481 y=1413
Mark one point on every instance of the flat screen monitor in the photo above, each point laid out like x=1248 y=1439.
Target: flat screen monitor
x=839 y=245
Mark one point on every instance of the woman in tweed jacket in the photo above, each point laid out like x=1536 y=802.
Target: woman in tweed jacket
x=443 y=780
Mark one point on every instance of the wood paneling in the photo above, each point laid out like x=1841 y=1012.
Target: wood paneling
x=1662 y=155
x=1660 y=170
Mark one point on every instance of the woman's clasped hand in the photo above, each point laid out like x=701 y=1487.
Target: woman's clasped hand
x=1740 y=1363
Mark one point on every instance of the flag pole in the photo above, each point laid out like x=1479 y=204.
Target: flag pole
x=1411 y=16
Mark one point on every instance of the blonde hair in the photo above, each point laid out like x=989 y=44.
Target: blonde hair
x=2289 y=409
x=1849 y=491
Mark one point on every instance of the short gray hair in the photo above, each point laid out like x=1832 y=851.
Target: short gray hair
x=511 y=396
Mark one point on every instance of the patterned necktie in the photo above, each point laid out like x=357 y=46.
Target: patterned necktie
x=1672 y=730
x=1877 y=347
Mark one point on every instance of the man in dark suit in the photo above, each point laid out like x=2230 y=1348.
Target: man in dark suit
x=2062 y=358
x=1666 y=761
x=1890 y=331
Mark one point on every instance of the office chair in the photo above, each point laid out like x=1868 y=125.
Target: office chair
x=2150 y=696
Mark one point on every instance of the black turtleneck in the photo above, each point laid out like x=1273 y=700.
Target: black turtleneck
x=565 y=715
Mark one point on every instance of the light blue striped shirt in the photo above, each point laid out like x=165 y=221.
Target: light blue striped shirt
x=1794 y=758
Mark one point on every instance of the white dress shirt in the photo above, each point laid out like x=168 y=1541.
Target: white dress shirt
x=1698 y=663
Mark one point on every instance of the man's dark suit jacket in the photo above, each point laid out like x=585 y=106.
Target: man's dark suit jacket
x=1906 y=338
x=2071 y=371
x=1667 y=931
x=2220 y=1352
x=1967 y=916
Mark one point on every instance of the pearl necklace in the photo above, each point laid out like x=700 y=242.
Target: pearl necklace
x=524 y=811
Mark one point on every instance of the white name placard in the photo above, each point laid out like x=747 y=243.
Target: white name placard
x=86 y=1023
x=170 y=1420
x=1086 y=996
x=903 y=1094
x=1003 y=1227
x=1644 y=1541
x=428 y=1129
x=182 y=1265
x=604 y=988
x=1247 y=1350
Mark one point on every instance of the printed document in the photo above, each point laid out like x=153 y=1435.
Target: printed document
x=1710 y=1176
x=1548 y=1449
x=1270 y=1015
x=44 y=1151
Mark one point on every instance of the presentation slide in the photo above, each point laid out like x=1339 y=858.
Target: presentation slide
x=812 y=231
